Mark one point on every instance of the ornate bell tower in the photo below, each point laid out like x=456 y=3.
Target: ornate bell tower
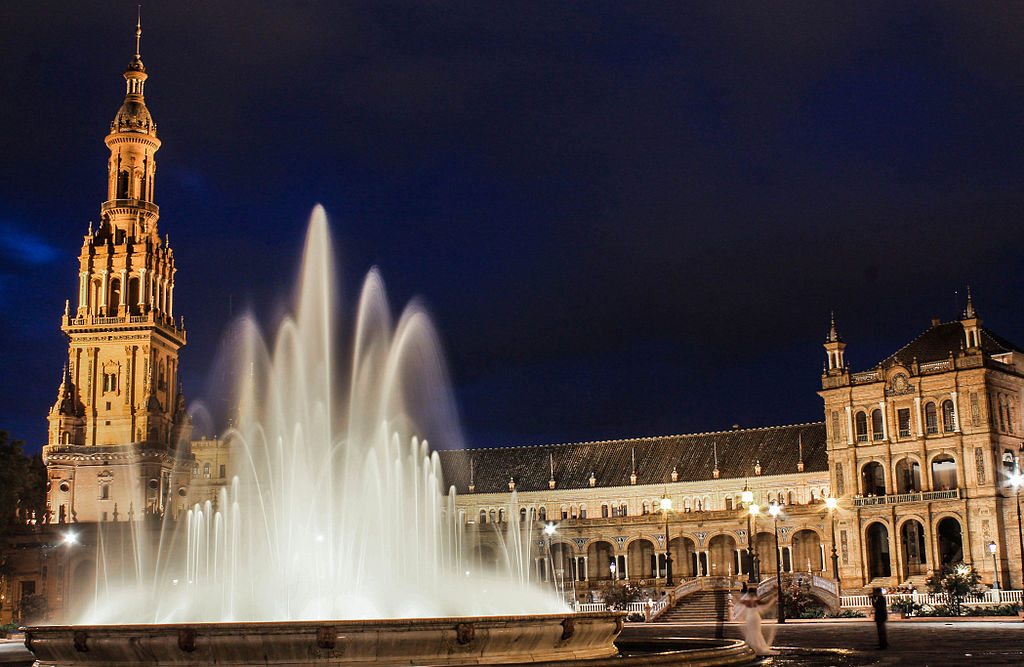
x=118 y=435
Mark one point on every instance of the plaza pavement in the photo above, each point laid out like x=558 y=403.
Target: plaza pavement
x=937 y=643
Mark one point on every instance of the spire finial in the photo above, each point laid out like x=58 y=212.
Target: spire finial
x=138 y=33
x=833 y=334
x=969 y=311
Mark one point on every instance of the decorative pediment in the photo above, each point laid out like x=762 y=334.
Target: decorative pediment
x=899 y=385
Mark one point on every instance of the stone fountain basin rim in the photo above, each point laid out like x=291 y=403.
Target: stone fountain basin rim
x=426 y=621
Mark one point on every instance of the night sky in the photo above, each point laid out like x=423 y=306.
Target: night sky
x=626 y=219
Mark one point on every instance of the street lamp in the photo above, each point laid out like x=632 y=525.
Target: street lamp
x=831 y=503
x=549 y=530
x=775 y=509
x=666 y=507
x=1017 y=481
x=755 y=568
x=995 y=568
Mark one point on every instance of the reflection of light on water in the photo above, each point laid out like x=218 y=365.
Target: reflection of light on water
x=336 y=507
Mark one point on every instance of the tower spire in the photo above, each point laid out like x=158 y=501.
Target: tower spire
x=138 y=34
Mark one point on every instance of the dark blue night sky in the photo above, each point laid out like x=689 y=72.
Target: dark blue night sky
x=627 y=219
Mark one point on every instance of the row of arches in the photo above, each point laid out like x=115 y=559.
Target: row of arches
x=862 y=419
x=642 y=559
x=117 y=299
x=943 y=469
x=917 y=553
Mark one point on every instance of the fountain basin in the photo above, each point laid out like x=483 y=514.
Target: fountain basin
x=479 y=640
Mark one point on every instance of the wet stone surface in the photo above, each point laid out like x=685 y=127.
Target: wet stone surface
x=933 y=643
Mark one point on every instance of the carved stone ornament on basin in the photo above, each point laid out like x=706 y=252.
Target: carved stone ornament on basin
x=481 y=640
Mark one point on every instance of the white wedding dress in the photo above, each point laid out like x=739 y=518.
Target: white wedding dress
x=747 y=610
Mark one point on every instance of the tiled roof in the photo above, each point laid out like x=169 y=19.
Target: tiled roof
x=936 y=343
x=776 y=447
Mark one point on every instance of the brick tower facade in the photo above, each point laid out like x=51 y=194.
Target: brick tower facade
x=118 y=435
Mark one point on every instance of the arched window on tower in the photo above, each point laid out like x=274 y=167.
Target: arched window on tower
x=861 y=426
x=133 y=295
x=123 y=179
x=115 y=297
x=206 y=470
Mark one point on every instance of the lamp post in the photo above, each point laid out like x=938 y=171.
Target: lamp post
x=995 y=568
x=666 y=507
x=775 y=509
x=1017 y=480
x=831 y=503
x=748 y=499
x=549 y=530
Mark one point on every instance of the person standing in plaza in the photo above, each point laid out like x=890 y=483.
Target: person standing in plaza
x=881 y=616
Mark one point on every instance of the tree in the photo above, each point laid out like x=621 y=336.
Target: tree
x=956 y=582
x=619 y=595
x=22 y=481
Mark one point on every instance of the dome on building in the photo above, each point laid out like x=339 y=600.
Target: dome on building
x=133 y=116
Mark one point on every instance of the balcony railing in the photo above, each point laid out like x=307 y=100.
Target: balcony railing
x=989 y=597
x=898 y=498
x=866 y=377
x=129 y=203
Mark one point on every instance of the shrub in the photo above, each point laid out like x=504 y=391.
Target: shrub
x=906 y=606
x=958 y=582
x=8 y=629
x=847 y=613
x=635 y=617
x=618 y=595
x=995 y=610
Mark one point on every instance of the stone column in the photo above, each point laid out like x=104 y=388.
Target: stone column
x=956 y=415
x=849 y=426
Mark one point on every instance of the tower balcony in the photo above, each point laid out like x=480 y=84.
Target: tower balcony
x=129 y=206
x=150 y=320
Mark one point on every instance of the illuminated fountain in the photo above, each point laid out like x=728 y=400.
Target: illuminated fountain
x=336 y=513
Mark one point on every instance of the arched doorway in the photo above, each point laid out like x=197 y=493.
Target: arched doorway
x=600 y=558
x=951 y=547
x=944 y=473
x=684 y=557
x=872 y=477
x=643 y=559
x=723 y=555
x=878 y=551
x=913 y=546
x=807 y=551
x=908 y=476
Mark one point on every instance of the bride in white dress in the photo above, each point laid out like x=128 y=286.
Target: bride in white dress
x=747 y=610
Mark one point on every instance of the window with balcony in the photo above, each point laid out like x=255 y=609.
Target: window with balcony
x=877 y=429
x=931 y=418
x=903 y=421
x=948 y=417
x=861 y=426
